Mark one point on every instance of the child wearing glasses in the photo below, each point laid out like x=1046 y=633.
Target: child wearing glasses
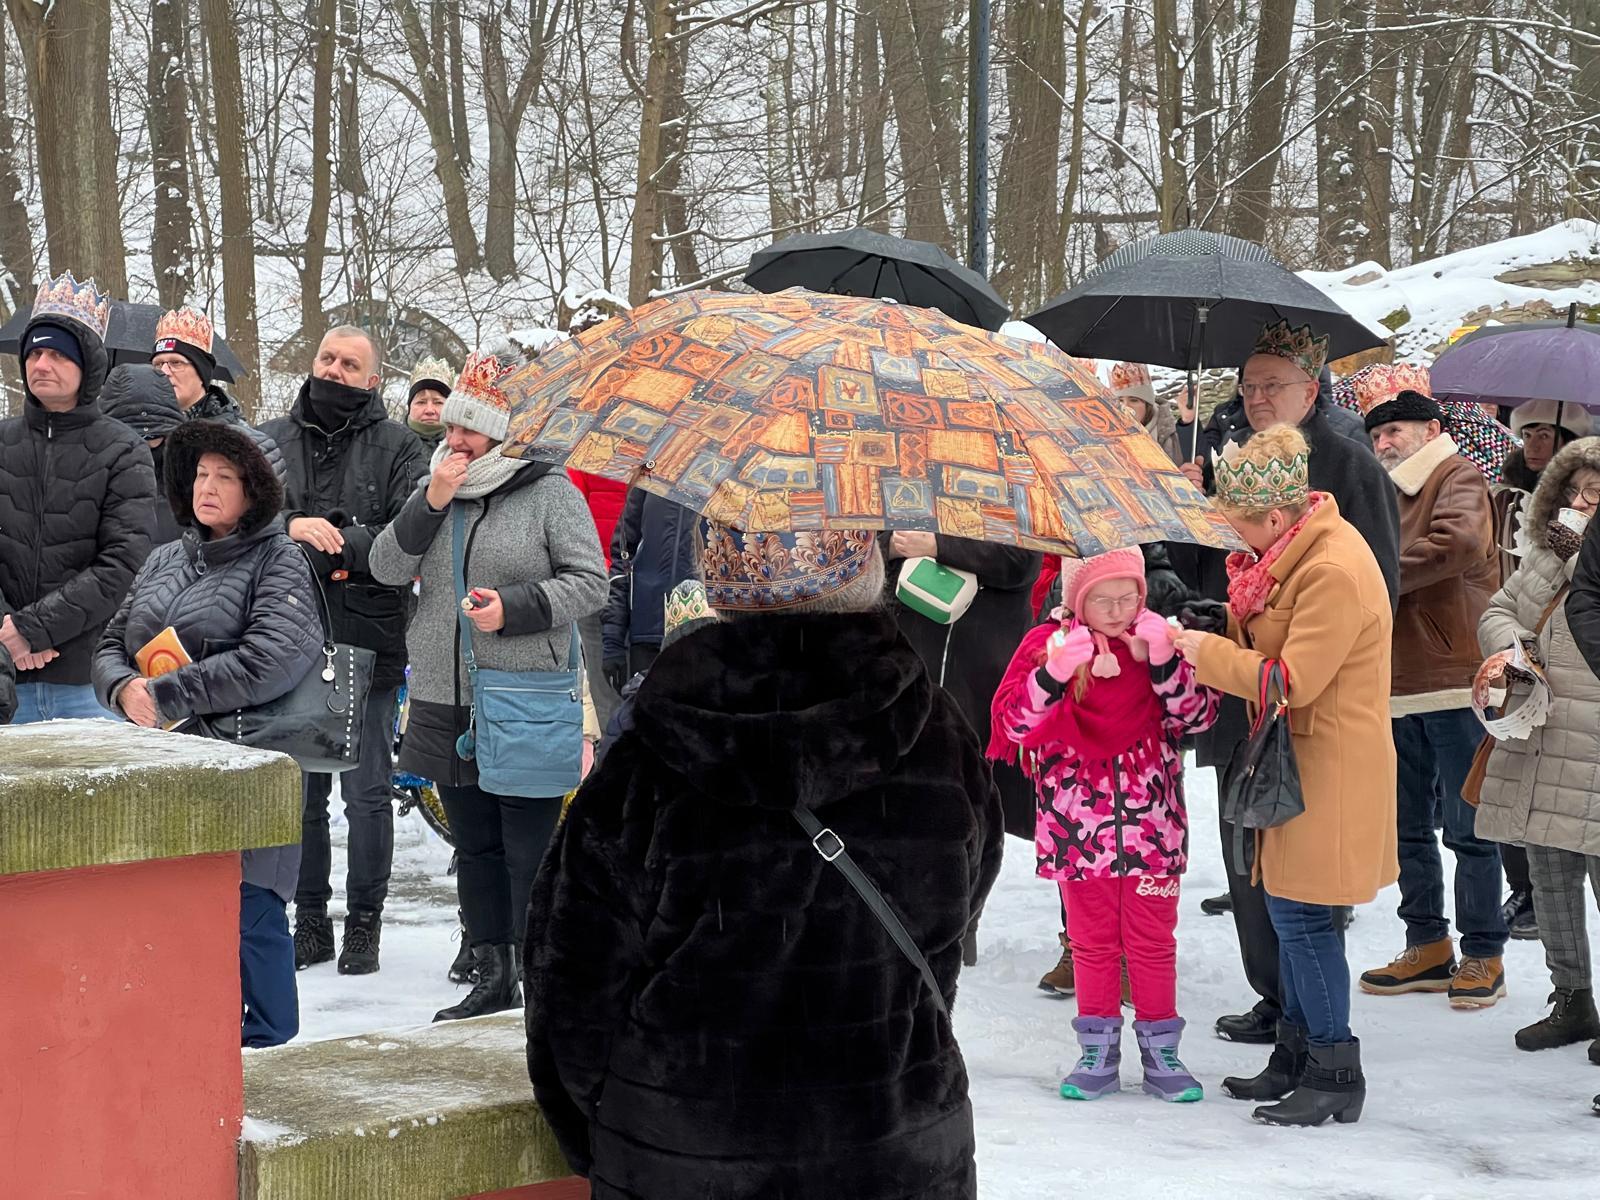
x=1097 y=702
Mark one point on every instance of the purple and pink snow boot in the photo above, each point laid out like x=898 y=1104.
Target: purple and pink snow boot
x=1100 y=1040
x=1165 y=1076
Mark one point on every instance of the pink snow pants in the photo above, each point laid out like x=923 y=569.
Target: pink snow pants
x=1133 y=917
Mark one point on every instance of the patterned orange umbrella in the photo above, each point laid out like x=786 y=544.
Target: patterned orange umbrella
x=802 y=411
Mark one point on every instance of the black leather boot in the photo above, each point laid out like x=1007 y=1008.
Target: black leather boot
x=499 y=985
x=465 y=967
x=1257 y=1027
x=1572 y=1019
x=1332 y=1086
x=1282 y=1073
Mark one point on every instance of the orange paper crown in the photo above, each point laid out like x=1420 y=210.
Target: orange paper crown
x=480 y=380
x=83 y=302
x=186 y=325
x=1382 y=382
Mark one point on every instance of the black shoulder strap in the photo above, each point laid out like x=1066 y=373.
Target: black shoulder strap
x=831 y=846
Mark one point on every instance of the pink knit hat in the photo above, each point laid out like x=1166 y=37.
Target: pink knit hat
x=1078 y=575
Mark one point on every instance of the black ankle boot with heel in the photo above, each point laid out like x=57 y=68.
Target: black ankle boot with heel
x=1282 y=1073
x=1332 y=1086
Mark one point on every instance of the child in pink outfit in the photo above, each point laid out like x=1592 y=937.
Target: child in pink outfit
x=1097 y=705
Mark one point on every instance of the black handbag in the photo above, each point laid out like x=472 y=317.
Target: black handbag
x=318 y=722
x=1264 y=776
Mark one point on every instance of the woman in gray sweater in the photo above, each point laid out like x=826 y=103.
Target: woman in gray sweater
x=532 y=560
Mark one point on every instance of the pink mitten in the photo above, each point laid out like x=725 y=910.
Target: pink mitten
x=1153 y=630
x=1066 y=651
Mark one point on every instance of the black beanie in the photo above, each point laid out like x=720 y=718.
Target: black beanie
x=204 y=365
x=1406 y=406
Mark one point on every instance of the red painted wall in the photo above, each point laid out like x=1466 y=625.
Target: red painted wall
x=561 y=1189
x=119 y=1031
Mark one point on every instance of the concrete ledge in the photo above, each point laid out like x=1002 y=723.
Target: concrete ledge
x=91 y=793
x=417 y=1114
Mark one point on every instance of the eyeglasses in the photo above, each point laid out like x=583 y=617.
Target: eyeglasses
x=1589 y=495
x=1266 y=391
x=1110 y=604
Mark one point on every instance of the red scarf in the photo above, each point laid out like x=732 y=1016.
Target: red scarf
x=1250 y=579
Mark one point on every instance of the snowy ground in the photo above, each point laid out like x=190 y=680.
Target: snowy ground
x=1453 y=1109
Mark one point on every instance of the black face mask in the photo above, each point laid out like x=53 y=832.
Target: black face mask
x=331 y=404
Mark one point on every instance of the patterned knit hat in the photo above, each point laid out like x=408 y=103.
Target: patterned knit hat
x=1247 y=480
x=188 y=332
x=688 y=609
x=1299 y=346
x=1078 y=575
x=1132 y=379
x=476 y=402
x=430 y=373
x=83 y=302
x=751 y=572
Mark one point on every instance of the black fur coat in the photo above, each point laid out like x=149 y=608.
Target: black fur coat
x=712 y=1012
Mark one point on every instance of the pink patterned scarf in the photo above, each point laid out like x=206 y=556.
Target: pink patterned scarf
x=1250 y=579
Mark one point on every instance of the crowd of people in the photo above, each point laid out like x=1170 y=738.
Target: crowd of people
x=755 y=692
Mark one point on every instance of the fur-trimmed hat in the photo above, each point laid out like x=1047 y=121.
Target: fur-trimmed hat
x=751 y=572
x=1405 y=406
x=477 y=402
x=184 y=447
x=1573 y=418
x=1078 y=575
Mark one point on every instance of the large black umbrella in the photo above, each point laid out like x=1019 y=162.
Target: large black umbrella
x=130 y=335
x=863 y=262
x=1191 y=297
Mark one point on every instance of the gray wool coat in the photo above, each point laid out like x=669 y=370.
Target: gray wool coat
x=1545 y=791
x=533 y=541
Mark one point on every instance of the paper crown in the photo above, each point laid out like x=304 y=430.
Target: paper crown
x=186 y=325
x=477 y=401
x=1300 y=346
x=687 y=608
x=1245 y=483
x=1129 y=376
x=431 y=370
x=64 y=296
x=1382 y=382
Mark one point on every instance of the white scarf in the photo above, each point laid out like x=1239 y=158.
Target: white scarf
x=484 y=473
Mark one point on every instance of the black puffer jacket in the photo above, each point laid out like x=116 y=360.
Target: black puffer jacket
x=358 y=477
x=77 y=510
x=712 y=1011
x=656 y=546
x=216 y=405
x=244 y=607
x=1583 y=601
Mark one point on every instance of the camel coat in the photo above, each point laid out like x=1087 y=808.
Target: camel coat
x=1329 y=620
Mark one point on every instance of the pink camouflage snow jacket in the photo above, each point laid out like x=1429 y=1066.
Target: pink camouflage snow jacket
x=1103 y=815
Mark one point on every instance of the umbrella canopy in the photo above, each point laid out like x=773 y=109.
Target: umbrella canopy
x=1512 y=364
x=809 y=412
x=130 y=337
x=1190 y=298
x=863 y=262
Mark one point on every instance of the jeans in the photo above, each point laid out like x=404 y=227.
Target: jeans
x=1130 y=915
x=369 y=808
x=266 y=969
x=1316 y=975
x=54 y=701
x=500 y=841
x=1435 y=753
x=1258 y=940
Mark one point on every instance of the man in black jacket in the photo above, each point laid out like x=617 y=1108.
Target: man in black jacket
x=77 y=505
x=1278 y=391
x=349 y=471
x=656 y=546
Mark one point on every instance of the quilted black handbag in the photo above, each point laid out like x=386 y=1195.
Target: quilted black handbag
x=318 y=721
x=1264 y=776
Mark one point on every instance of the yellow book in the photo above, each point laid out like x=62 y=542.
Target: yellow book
x=161 y=654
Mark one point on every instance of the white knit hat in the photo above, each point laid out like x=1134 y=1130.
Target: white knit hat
x=476 y=402
x=1574 y=418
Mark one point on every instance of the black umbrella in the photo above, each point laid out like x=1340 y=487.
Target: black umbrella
x=1188 y=299
x=130 y=336
x=863 y=262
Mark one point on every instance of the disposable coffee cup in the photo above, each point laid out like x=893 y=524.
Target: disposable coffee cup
x=1573 y=519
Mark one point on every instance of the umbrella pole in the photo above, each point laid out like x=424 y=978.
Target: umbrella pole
x=1196 y=349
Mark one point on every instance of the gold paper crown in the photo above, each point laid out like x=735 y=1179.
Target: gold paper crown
x=1246 y=484
x=1382 y=382
x=1300 y=346
x=64 y=296
x=480 y=381
x=432 y=370
x=186 y=325
x=687 y=602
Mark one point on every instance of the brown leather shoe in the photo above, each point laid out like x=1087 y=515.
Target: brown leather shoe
x=1059 y=980
x=1427 y=968
x=1480 y=983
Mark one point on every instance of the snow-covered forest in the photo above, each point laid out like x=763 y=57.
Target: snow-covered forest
x=445 y=170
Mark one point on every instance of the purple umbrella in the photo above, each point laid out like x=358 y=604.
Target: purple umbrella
x=1513 y=364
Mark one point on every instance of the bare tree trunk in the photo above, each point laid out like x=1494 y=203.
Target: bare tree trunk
x=352 y=176
x=1172 y=202
x=68 y=47
x=874 y=115
x=644 y=257
x=1445 y=89
x=1056 y=276
x=1340 y=109
x=920 y=165
x=167 y=113
x=457 y=63
x=16 y=231
x=1376 y=138
x=1118 y=159
x=315 y=248
x=674 y=152
x=238 y=233
x=830 y=152
x=1583 y=191
x=1026 y=212
x=1263 y=137
x=1206 y=168
x=506 y=107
